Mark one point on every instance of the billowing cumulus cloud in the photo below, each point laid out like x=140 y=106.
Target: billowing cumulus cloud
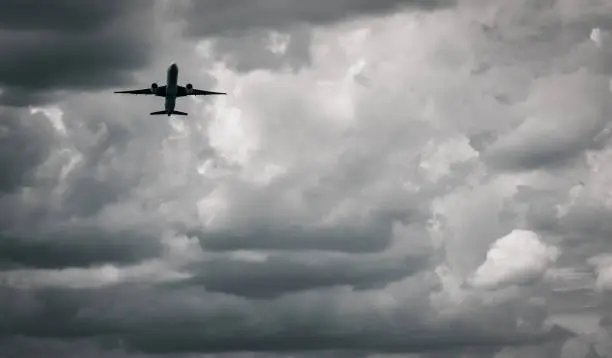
x=517 y=258
x=603 y=267
x=563 y=125
x=276 y=35
x=368 y=162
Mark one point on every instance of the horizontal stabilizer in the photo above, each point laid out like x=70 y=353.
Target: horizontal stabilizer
x=165 y=112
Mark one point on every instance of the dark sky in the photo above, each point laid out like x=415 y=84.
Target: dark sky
x=421 y=179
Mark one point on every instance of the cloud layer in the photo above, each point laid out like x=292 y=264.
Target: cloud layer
x=70 y=46
x=425 y=179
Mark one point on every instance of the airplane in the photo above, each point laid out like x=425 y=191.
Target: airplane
x=171 y=91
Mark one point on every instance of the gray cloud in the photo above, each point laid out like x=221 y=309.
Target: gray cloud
x=70 y=46
x=62 y=16
x=83 y=48
x=127 y=235
x=281 y=325
x=243 y=31
x=215 y=17
x=360 y=239
x=45 y=186
x=254 y=50
x=582 y=228
x=75 y=247
x=25 y=141
x=279 y=274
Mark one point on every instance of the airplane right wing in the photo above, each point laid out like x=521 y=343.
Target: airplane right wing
x=190 y=91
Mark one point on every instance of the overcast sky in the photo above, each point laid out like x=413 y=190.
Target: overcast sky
x=392 y=178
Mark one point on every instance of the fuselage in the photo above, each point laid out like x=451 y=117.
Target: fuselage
x=171 y=88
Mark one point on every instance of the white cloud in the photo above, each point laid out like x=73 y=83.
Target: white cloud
x=54 y=113
x=517 y=258
x=603 y=267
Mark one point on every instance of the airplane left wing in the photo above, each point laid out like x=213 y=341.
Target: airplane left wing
x=190 y=91
x=138 y=91
x=154 y=90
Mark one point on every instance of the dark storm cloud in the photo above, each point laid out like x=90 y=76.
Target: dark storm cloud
x=391 y=340
x=551 y=154
x=75 y=247
x=212 y=17
x=265 y=229
x=27 y=347
x=60 y=16
x=70 y=44
x=279 y=274
x=359 y=239
x=150 y=320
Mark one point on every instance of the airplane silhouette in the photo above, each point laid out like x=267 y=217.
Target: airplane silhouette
x=171 y=91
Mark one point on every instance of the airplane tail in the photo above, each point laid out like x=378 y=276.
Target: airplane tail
x=169 y=113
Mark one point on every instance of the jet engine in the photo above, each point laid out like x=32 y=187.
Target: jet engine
x=189 y=88
x=154 y=88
